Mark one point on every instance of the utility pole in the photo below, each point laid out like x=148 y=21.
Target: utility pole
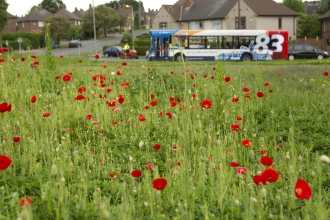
x=239 y=14
x=139 y=14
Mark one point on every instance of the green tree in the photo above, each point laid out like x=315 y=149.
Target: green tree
x=137 y=21
x=308 y=26
x=121 y=3
x=122 y=21
x=33 y=7
x=324 y=8
x=296 y=5
x=75 y=32
x=3 y=17
x=52 y=5
x=105 y=18
x=59 y=27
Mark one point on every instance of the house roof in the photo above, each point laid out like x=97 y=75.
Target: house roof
x=68 y=15
x=79 y=13
x=10 y=15
x=311 y=9
x=38 y=14
x=270 y=8
x=326 y=16
x=215 y=9
x=207 y=9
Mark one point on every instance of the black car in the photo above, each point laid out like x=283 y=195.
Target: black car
x=305 y=51
x=75 y=43
x=113 y=51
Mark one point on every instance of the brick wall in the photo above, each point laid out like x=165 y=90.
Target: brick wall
x=11 y=26
x=30 y=26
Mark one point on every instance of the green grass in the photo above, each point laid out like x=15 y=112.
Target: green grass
x=63 y=161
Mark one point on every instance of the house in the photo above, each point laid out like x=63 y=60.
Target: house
x=226 y=14
x=79 y=13
x=312 y=7
x=34 y=21
x=74 y=19
x=11 y=24
x=325 y=31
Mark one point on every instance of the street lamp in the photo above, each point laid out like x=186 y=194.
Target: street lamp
x=129 y=6
x=95 y=47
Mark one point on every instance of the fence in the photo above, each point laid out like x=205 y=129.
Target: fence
x=316 y=42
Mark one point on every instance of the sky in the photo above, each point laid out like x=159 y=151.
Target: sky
x=22 y=7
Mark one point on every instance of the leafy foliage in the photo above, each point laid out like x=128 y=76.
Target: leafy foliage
x=52 y=5
x=296 y=5
x=121 y=3
x=59 y=27
x=76 y=32
x=3 y=17
x=308 y=25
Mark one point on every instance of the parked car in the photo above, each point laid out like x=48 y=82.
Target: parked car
x=113 y=51
x=75 y=43
x=305 y=51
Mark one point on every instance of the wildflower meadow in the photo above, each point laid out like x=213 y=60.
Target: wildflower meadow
x=89 y=139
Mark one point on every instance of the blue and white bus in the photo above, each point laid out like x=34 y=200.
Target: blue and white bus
x=231 y=45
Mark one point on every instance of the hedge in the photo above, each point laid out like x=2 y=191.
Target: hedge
x=141 y=50
x=142 y=42
x=36 y=39
x=25 y=45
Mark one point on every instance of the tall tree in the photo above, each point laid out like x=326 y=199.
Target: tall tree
x=121 y=3
x=122 y=20
x=59 y=27
x=137 y=21
x=52 y=5
x=3 y=17
x=105 y=18
x=296 y=5
x=308 y=26
x=324 y=8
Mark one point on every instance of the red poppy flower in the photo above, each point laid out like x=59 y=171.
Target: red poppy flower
x=16 y=139
x=160 y=114
x=157 y=146
x=179 y=164
x=263 y=151
x=246 y=143
x=270 y=175
x=36 y=64
x=235 y=127
x=171 y=98
x=241 y=170
x=136 y=173
x=61 y=57
x=238 y=118
x=169 y=115
x=227 y=78
x=173 y=104
x=66 y=77
x=124 y=63
x=96 y=122
x=4 y=162
x=33 y=99
x=266 y=161
x=259 y=180
x=152 y=96
x=79 y=97
x=46 y=114
x=206 y=104
x=234 y=164
x=270 y=91
x=97 y=56
x=81 y=89
x=33 y=56
x=325 y=74
x=266 y=84
x=235 y=99
x=89 y=116
x=302 y=190
x=5 y=107
x=159 y=183
x=141 y=118
x=153 y=103
x=112 y=175
x=121 y=100
x=245 y=89
x=260 y=94
x=247 y=95
x=2 y=60
x=22 y=59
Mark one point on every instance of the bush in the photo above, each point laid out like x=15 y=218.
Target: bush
x=143 y=42
x=126 y=38
x=141 y=50
x=35 y=39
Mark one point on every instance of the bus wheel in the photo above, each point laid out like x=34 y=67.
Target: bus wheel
x=246 y=57
x=178 y=57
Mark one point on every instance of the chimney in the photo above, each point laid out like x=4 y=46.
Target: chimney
x=40 y=6
x=148 y=9
x=189 y=3
x=64 y=6
x=75 y=9
x=90 y=5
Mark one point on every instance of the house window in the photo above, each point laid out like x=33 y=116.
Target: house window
x=243 y=23
x=163 y=26
x=40 y=23
x=194 y=25
x=280 y=23
x=216 y=25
